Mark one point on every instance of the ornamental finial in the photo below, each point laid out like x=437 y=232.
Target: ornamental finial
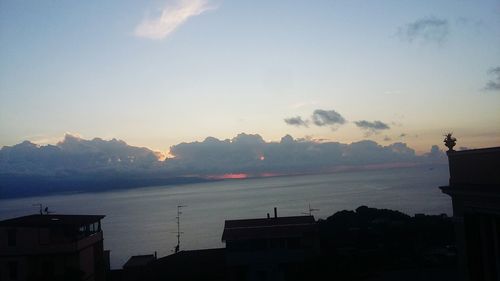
x=450 y=141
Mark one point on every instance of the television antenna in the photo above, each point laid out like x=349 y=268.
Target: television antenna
x=310 y=210
x=46 y=210
x=177 y=248
x=42 y=210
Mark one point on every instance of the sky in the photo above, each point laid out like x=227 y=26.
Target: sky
x=160 y=73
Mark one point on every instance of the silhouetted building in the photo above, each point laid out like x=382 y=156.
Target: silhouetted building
x=206 y=265
x=137 y=267
x=269 y=248
x=52 y=247
x=475 y=191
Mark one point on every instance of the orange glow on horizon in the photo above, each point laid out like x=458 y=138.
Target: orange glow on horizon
x=266 y=175
x=230 y=176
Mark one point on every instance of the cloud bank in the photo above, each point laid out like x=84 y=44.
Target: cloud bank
x=430 y=29
x=172 y=16
x=78 y=164
x=76 y=155
x=250 y=154
x=493 y=85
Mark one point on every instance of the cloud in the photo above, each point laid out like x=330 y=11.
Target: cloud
x=430 y=29
x=297 y=121
x=493 y=85
x=74 y=154
x=319 y=118
x=172 y=16
x=249 y=154
x=98 y=164
x=322 y=117
x=372 y=127
x=435 y=155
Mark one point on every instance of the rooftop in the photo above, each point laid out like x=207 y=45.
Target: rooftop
x=267 y=227
x=51 y=220
x=206 y=264
x=140 y=260
x=475 y=166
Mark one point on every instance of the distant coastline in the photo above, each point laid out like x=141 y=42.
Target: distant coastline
x=21 y=186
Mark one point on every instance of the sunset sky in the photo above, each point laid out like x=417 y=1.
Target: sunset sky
x=158 y=73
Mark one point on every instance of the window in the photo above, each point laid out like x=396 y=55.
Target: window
x=12 y=268
x=11 y=237
x=82 y=229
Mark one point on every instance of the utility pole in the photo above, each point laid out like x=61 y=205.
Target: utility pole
x=177 y=248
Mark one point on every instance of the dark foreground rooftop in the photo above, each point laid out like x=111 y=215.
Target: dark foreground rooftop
x=51 y=220
x=207 y=264
x=140 y=260
x=267 y=227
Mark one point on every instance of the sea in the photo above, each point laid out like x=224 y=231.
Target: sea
x=143 y=220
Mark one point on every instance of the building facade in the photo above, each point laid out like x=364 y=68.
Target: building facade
x=269 y=248
x=474 y=187
x=52 y=247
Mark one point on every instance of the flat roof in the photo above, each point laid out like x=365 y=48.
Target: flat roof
x=268 y=221
x=51 y=220
x=476 y=150
x=268 y=227
x=139 y=260
x=205 y=264
x=475 y=166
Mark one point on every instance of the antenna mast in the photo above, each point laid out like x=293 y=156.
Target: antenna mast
x=179 y=227
x=310 y=210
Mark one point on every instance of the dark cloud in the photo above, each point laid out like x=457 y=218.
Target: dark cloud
x=430 y=29
x=322 y=117
x=494 y=84
x=372 y=127
x=297 y=121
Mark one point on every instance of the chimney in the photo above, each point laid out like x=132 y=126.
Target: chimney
x=275 y=212
x=156 y=256
x=268 y=215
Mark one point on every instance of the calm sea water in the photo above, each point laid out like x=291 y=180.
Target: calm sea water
x=142 y=220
